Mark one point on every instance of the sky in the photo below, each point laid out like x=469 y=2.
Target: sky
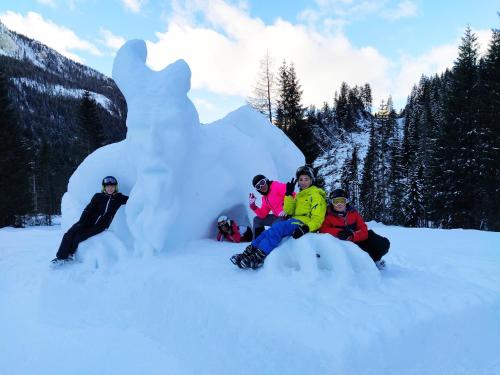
x=386 y=43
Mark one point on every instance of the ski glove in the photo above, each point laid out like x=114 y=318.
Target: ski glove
x=282 y=214
x=290 y=186
x=344 y=235
x=300 y=231
x=251 y=201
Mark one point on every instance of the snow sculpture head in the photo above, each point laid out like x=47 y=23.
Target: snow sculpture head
x=162 y=123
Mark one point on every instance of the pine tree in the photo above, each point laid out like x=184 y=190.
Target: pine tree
x=367 y=194
x=290 y=114
x=91 y=128
x=263 y=92
x=350 y=177
x=15 y=193
x=489 y=135
x=459 y=143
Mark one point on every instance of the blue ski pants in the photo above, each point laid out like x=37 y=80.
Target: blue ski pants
x=271 y=238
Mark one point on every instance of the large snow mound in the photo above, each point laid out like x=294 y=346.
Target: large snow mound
x=179 y=174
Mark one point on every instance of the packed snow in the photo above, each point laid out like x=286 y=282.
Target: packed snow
x=156 y=294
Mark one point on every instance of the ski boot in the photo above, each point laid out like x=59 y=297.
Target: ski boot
x=380 y=264
x=254 y=260
x=236 y=258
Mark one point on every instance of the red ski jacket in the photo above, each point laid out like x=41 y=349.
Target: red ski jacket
x=351 y=221
x=234 y=234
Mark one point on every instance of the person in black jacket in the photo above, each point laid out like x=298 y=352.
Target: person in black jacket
x=96 y=218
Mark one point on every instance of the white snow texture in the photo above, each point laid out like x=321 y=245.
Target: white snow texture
x=156 y=294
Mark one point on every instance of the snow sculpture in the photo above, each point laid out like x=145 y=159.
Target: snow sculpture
x=179 y=174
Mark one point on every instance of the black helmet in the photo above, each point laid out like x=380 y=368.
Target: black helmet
x=109 y=180
x=338 y=193
x=257 y=179
x=307 y=170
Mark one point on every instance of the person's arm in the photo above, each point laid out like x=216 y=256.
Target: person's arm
x=86 y=216
x=361 y=232
x=219 y=236
x=289 y=205
x=262 y=211
x=236 y=235
x=328 y=227
x=123 y=199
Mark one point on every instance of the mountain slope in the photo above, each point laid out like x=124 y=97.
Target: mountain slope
x=46 y=90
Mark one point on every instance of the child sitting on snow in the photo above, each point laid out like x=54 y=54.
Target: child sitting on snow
x=230 y=230
x=307 y=211
x=96 y=218
x=345 y=223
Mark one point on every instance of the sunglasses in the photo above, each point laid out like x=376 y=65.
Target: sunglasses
x=259 y=185
x=339 y=200
x=109 y=181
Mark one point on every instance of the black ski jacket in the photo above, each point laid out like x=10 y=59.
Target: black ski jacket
x=101 y=210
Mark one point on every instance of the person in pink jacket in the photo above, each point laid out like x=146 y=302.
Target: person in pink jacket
x=273 y=195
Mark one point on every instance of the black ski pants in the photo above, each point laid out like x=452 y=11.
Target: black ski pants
x=375 y=245
x=72 y=238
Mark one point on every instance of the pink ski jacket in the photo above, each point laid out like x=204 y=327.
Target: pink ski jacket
x=272 y=201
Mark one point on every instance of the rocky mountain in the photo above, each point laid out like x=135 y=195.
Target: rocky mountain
x=47 y=92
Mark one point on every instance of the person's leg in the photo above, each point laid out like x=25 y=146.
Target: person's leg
x=375 y=245
x=73 y=237
x=260 y=224
x=68 y=242
x=271 y=238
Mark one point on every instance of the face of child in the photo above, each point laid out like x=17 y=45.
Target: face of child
x=339 y=207
x=110 y=189
x=304 y=181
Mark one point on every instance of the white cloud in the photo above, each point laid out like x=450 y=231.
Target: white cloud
x=112 y=41
x=404 y=9
x=50 y=3
x=224 y=58
x=134 y=5
x=434 y=61
x=60 y=38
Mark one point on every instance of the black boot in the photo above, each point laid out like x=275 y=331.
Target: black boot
x=254 y=260
x=236 y=258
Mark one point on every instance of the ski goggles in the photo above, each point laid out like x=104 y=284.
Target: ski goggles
x=259 y=185
x=109 y=181
x=339 y=200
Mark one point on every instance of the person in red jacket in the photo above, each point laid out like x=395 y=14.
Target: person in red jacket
x=271 y=210
x=344 y=222
x=229 y=230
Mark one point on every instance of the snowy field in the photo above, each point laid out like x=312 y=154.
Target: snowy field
x=156 y=294
x=434 y=310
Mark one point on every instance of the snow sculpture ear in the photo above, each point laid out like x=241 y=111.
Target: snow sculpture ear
x=129 y=69
x=175 y=77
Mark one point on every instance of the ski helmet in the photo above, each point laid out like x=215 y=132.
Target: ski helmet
x=222 y=220
x=258 y=179
x=107 y=181
x=338 y=193
x=305 y=170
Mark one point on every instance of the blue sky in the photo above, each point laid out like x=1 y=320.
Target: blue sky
x=387 y=43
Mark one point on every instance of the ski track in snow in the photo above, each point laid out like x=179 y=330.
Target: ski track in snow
x=435 y=310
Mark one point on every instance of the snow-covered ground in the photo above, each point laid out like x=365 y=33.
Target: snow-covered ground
x=156 y=294
x=434 y=310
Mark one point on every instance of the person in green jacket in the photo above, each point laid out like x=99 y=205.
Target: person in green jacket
x=307 y=210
